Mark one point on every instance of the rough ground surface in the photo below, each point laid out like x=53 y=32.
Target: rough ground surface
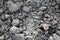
x=29 y=19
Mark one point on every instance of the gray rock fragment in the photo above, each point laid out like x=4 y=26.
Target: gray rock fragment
x=1 y=37
x=7 y=15
x=58 y=26
x=56 y=37
x=45 y=26
x=36 y=17
x=30 y=24
x=1 y=22
x=12 y=6
x=38 y=37
x=50 y=38
x=29 y=38
x=22 y=29
x=1 y=10
x=43 y=8
x=14 y=30
x=35 y=33
x=19 y=37
x=27 y=33
x=26 y=9
x=54 y=22
x=15 y=22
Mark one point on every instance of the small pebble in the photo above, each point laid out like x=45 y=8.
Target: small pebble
x=15 y=22
x=43 y=8
x=58 y=26
x=50 y=38
x=7 y=15
x=1 y=10
x=1 y=22
x=27 y=33
x=35 y=33
x=12 y=6
x=45 y=26
x=29 y=38
x=19 y=37
x=26 y=9
x=1 y=37
x=14 y=30
x=22 y=29
x=54 y=22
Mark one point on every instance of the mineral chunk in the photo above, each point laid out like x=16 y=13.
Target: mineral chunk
x=13 y=30
x=7 y=15
x=12 y=6
x=15 y=22
x=43 y=8
x=45 y=26
x=26 y=9
x=1 y=37
x=50 y=38
x=29 y=38
x=19 y=37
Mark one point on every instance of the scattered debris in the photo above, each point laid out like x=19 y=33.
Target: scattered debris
x=29 y=20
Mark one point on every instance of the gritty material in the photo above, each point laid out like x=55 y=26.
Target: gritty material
x=29 y=19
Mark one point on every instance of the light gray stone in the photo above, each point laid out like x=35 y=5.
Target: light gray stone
x=47 y=15
x=45 y=26
x=36 y=16
x=7 y=15
x=26 y=9
x=34 y=33
x=29 y=38
x=54 y=22
x=1 y=37
x=1 y=22
x=1 y=10
x=12 y=6
x=30 y=24
x=22 y=29
x=58 y=26
x=50 y=38
x=38 y=37
x=43 y=8
x=2 y=16
x=18 y=37
x=27 y=33
x=15 y=22
x=14 y=30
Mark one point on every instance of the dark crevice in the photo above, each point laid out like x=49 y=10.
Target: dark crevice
x=42 y=28
x=51 y=30
x=58 y=7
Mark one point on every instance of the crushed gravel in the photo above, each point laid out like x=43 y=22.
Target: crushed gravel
x=29 y=19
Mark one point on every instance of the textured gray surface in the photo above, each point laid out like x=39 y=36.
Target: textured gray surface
x=29 y=19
